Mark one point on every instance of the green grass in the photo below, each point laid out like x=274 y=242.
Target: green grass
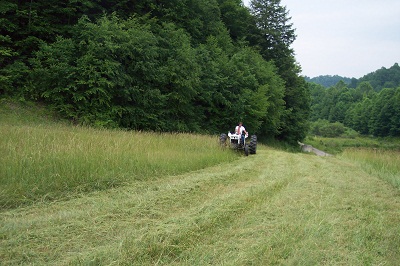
x=380 y=156
x=26 y=113
x=383 y=163
x=338 y=145
x=273 y=208
x=44 y=160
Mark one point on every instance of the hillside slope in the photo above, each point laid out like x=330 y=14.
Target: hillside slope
x=271 y=208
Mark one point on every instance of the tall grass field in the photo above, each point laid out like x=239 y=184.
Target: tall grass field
x=82 y=196
x=380 y=156
x=383 y=163
x=49 y=161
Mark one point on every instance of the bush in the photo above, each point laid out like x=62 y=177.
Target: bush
x=326 y=129
x=351 y=133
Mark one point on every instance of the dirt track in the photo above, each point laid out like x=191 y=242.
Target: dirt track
x=309 y=148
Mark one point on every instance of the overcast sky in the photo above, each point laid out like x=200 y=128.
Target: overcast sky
x=349 y=38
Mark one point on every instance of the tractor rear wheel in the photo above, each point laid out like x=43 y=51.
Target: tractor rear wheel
x=253 y=144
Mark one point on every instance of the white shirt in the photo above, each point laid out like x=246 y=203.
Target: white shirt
x=240 y=130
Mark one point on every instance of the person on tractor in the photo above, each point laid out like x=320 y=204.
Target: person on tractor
x=241 y=131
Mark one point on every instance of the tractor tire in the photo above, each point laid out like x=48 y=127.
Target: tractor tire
x=253 y=144
x=222 y=140
x=246 y=149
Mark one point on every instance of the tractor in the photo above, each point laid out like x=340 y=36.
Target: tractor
x=238 y=142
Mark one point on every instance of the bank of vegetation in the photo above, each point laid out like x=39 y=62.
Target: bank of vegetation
x=170 y=66
x=111 y=183
x=80 y=195
x=370 y=106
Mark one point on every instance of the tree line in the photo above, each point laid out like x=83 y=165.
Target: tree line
x=367 y=109
x=330 y=80
x=379 y=79
x=383 y=78
x=179 y=65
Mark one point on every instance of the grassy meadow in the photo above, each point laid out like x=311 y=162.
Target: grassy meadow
x=44 y=160
x=185 y=202
x=380 y=156
x=383 y=163
x=338 y=145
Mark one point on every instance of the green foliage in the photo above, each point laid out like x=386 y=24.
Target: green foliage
x=361 y=109
x=191 y=66
x=114 y=72
x=275 y=35
x=383 y=78
x=237 y=19
x=214 y=96
x=272 y=20
x=12 y=77
x=297 y=99
x=148 y=76
x=324 y=128
x=261 y=98
x=385 y=116
x=370 y=108
x=359 y=115
x=78 y=76
x=378 y=80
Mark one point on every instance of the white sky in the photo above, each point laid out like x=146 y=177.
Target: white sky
x=349 y=38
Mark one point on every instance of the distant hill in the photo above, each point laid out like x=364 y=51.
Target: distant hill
x=379 y=79
x=329 y=81
x=383 y=78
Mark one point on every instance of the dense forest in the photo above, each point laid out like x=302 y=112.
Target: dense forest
x=371 y=108
x=383 y=78
x=179 y=65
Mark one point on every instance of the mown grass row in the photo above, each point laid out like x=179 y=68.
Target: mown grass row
x=134 y=224
x=51 y=161
x=275 y=208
